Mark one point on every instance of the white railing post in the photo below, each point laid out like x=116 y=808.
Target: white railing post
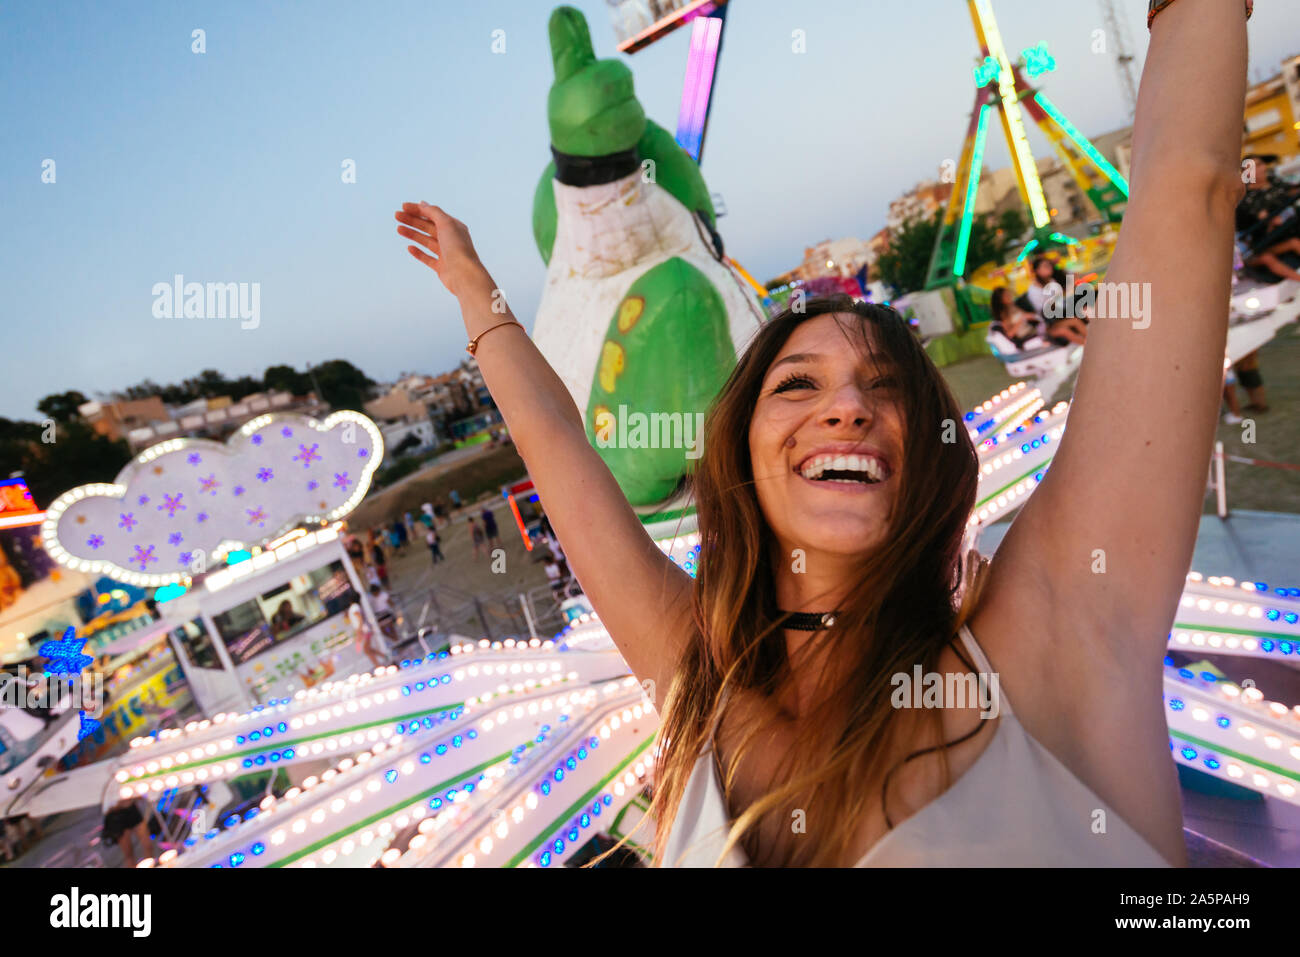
x=528 y=615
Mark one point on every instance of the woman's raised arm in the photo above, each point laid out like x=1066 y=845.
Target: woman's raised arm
x=1096 y=562
x=643 y=599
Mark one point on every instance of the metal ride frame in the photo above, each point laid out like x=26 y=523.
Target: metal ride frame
x=1001 y=86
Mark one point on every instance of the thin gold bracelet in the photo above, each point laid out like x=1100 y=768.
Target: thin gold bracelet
x=1158 y=5
x=473 y=343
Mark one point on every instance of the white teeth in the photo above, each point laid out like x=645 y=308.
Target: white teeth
x=815 y=467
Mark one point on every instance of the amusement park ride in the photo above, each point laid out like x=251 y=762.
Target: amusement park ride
x=1003 y=88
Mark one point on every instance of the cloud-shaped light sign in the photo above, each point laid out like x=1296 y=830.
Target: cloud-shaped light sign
x=186 y=502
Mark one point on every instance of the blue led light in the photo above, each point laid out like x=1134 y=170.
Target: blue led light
x=608 y=799
x=251 y=813
x=559 y=846
x=559 y=774
x=441 y=749
x=419 y=686
x=571 y=763
x=445 y=679
x=1284 y=647
x=457 y=741
x=231 y=821
x=255 y=736
x=1272 y=614
x=1185 y=673
x=573 y=834
x=248 y=762
x=281 y=727
x=426 y=758
x=595 y=809
x=545 y=788
x=594 y=743
x=390 y=775
x=239 y=739
x=236 y=859
x=471 y=734
x=1177 y=704
x=1189 y=754
x=545 y=859
x=275 y=756
x=1266 y=644
x=1169 y=661
x=1209 y=676
x=1291 y=618
x=1212 y=764
x=1260 y=586
x=585 y=820
x=435 y=803
x=1222 y=721
x=258 y=849
x=582 y=754
x=406 y=690
x=260 y=760
x=288 y=754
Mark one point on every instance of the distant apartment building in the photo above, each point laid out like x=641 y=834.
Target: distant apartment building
x=1272 y=118
x=145 y=422
x=417 y=411
x=920 y=202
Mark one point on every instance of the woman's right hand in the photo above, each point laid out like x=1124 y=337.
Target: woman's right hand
x=454 y=260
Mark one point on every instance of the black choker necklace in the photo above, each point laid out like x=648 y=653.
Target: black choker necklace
x=809 y=620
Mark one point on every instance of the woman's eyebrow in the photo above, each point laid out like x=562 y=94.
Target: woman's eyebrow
x=796 y=358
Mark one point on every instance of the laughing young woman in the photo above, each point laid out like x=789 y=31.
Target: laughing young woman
x=825 y=486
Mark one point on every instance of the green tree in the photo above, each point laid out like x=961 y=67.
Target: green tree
x=78 y=455
x=905 y=265
x=342 y=385
x=62 y=407
x=286 y=379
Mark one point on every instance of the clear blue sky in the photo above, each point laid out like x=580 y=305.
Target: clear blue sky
x=226 y=166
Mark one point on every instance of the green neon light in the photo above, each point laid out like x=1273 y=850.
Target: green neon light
x=987 y=72
x=1038 y=61
x=1029 y=247
x=972 y=189
x=1064 y=239
x=1081 y=141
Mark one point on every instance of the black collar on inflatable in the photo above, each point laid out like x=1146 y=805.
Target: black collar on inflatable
x=594 y=170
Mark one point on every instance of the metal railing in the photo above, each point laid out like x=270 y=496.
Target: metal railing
x=426 y=608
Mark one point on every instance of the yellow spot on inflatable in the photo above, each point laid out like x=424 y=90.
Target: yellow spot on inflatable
x=629 y=312
x=604 y=424
x=611 y=365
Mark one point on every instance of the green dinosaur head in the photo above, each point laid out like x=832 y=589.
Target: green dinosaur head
x=592 y=108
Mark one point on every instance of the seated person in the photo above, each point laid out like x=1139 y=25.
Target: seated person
x=284 y=618
x=1014 y=329
x=1268 y=226
x=1015 y=315
x=1048 y=282
x=122 y=822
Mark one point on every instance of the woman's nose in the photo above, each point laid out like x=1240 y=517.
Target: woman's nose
x=847 y=405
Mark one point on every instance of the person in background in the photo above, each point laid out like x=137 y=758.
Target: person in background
x=122 y=822
x=364 y=635
x=490 y=528
x=435 y=544
x=1048 y=282
x=409 y=521
x=475 y=535
x=427 y=515
x=455 y=499
x=380 y=562
x=383 y=605
x=284 y=618
x=555 y=576
x=1244 y=372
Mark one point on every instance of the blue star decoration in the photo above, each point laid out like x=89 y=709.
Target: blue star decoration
x=65 y=658
x=65 y=655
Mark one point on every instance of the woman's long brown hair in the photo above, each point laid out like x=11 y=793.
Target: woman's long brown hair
x=904 y=610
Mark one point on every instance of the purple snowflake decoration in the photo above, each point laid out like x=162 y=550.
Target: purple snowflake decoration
x=238 y=490
x=362 y=453
x=287 y=432
x=264 y=475
x=193 y=458
x=143 y=556
x=201 y=517
x=95 y=541
x=257 y=440
x=341 y=480
x=256 y=515
x=186 y=558
x=307 y=455
x=313 y=485
x=172 y=504
x=144 y=500
x=175 y=538
x=128 y=521
x=209 y=484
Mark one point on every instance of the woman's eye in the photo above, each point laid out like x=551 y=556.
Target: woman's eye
x=794 y=382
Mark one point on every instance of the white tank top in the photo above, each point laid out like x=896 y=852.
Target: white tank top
x=1016 y=806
